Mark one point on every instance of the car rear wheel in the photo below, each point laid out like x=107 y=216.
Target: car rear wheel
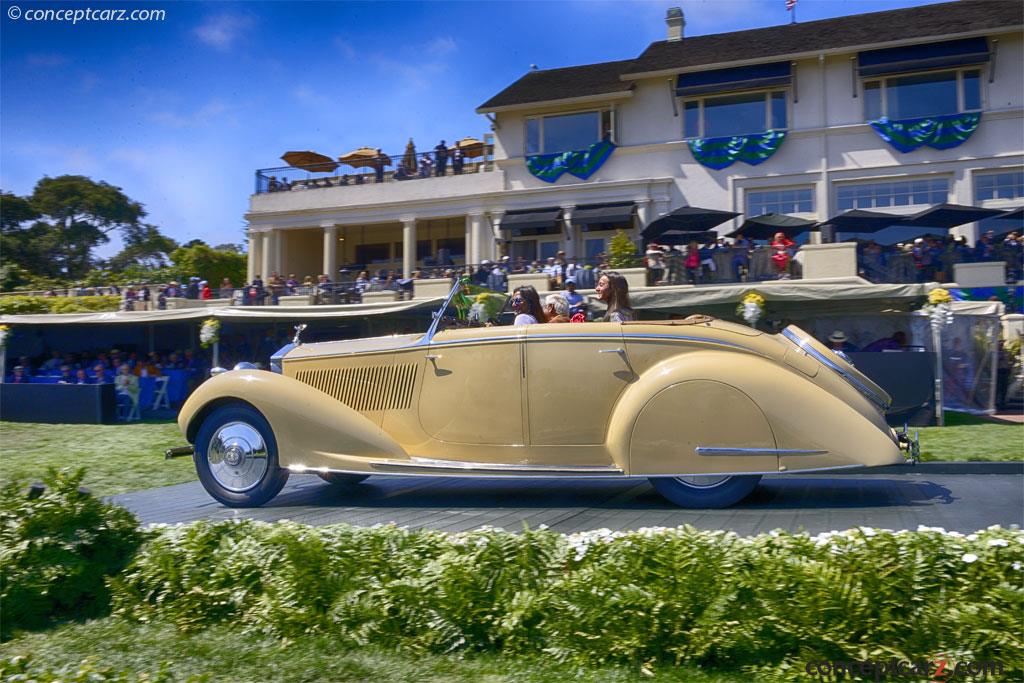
x=342 y=478
x=706 y=491
x=236 y=457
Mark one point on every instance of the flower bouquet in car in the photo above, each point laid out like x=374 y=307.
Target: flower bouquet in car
x=751 y=308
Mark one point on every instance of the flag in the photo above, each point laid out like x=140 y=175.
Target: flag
x=790 y=4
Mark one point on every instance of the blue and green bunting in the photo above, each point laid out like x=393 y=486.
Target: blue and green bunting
x=938 y=132
x=582 y=164
x=718 y=153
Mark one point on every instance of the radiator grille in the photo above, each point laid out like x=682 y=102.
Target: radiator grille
x=367 y=389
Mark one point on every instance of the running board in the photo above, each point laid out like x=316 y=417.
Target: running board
x=429 y=464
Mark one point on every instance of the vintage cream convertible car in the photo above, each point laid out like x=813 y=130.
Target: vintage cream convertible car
x=700 y=406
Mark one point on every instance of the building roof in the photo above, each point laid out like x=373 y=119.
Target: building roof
x=874 y=28
x=947 y=18
x=560 y=84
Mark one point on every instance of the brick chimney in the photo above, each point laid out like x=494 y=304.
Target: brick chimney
x=676 y=23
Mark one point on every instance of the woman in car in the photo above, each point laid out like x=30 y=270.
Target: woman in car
x=526 y=304
x=613 y=289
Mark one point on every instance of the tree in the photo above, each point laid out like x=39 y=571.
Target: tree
x=14 y=211
x=210 y=264
x=82 y=213
x=145 y=247
x=621 y=251
x=229 y=246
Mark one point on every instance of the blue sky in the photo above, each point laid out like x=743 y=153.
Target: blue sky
x=179 y=113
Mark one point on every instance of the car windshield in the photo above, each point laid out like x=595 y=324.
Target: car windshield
x=472 y=305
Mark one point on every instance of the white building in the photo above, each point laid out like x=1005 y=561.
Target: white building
x=796 y=98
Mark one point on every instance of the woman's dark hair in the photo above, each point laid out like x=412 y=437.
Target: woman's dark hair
x=618 y=292
x=532 y=300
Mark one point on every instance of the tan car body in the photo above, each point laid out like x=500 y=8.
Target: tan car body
x=692 y=397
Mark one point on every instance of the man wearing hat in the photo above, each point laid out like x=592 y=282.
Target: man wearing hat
x=483 y=271
x=840 y=344
x=576 y=302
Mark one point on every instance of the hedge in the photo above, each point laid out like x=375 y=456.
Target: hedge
x=20 y=305
x=765 y=604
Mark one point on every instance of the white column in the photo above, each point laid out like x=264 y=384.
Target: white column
x=568 y=232
x=483 y=243
x=330 y=250
x=643 y=212
x=252 y=260
x=408 y=245
x=498 y=239
x=471 y=253
x=267 y=246
x=275 y=253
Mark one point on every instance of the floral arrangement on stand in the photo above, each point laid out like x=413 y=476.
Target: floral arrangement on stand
x=938 y=307
x=751 y=308
x=4 y=331
x=209 y=333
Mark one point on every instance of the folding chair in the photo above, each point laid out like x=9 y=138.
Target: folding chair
x=160 y=395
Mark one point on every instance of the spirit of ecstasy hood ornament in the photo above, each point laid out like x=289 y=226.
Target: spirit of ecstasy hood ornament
x=298 y=332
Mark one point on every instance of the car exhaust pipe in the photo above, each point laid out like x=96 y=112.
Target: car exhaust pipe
x=178 y=451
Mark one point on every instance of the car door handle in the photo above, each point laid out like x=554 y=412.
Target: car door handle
x=433 y=357
x=611 y=351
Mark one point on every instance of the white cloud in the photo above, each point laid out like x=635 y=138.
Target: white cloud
x=47 y=59
x=223 y=30
x=440 y=47
x=308 y=95
x=345 y=47
x=88 y=81
x=212 y=110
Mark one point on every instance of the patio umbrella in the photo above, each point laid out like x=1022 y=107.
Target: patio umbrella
x=471 y=147
x=310 y=161
x=364 y=157
x=409 y=158
x=687 y=219
x=676 y=237
x=1013 y=215
x=859 y=220
x=764 y=227
x=945 y=216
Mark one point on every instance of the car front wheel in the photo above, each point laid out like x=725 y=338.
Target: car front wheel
x=706 y=491
x=236 y=457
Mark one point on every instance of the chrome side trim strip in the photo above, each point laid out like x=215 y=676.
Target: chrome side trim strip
x=458 y=465
x=713 y=450
x=834 y=367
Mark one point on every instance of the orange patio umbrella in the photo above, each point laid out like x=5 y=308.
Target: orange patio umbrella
x=471 y=147
x=310 y=161
x=364 y=157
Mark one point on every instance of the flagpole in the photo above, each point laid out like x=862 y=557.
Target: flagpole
x=792 y=18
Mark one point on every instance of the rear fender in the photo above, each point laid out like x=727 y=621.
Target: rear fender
x=312 y=428
x=715 y=399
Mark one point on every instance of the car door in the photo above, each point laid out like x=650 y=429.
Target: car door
x=574 y=376
x=472 y=387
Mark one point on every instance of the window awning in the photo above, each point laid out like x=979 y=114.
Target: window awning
x=599 y=216
x=687 y=219
x=896 y=60
x=532 y=222
x=945 y=216
x=752 y=77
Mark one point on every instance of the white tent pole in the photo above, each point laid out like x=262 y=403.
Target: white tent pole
x=937 y=344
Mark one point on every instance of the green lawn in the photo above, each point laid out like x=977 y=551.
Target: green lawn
x=225 y=654
x=117 y=458
x=966 y=437
x=129 y=457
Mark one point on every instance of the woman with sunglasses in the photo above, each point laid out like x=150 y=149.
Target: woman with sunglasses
x=526 y=304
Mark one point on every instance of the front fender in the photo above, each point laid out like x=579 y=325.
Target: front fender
x=312 y=429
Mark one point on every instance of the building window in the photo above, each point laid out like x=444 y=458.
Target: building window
x=893 y=193
x=372 y=253
x=738 y=114
x=800 y=200
x=567 y=132
x=1004 y=185
x=921 y=95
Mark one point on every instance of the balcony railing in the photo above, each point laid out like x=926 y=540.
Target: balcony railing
x=396 y=169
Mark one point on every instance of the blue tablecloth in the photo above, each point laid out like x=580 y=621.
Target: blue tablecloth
x=177 y=386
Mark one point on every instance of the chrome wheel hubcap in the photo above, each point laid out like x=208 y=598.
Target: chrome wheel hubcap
x=237 y=456
x=704 y=482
